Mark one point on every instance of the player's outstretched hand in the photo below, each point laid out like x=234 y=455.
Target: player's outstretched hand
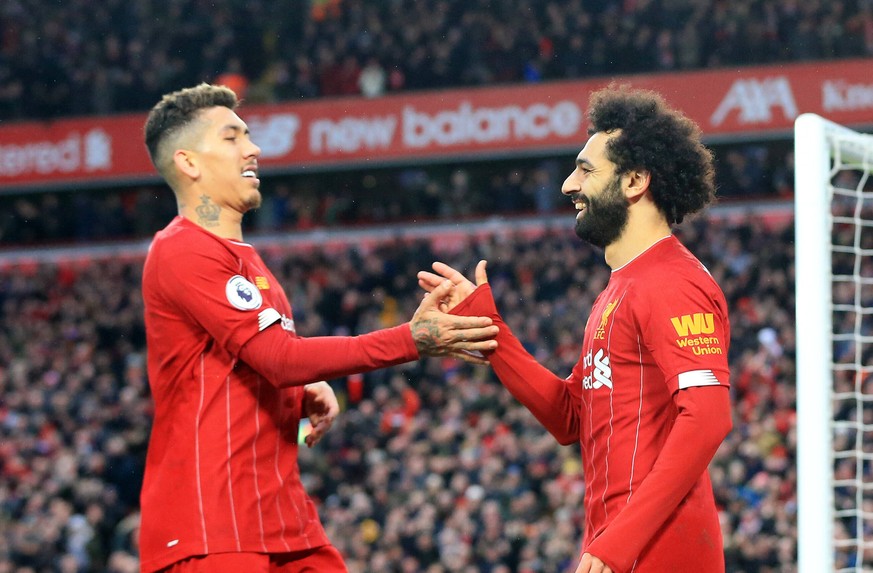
x=321 y=407
x=439 y=334
x=591 y=564
x=463 y=287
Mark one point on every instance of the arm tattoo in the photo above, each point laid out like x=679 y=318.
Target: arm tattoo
x=427 y=337
x=207 y=212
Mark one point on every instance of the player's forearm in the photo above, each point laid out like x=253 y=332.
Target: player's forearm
x=704 y=421
x=541 y=392
x=286 y=360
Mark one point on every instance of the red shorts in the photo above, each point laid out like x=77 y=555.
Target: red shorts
x=325 y=559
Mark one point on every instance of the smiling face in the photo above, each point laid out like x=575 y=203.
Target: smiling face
x=223 y=161
x=598 y=194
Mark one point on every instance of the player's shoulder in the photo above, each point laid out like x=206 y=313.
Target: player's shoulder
x=674 y=282
x=684 y=260
x=670 y=266
x=182 y=242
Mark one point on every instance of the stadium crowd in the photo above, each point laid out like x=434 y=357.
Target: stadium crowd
x=61 y=59
x=404 y=195
x=79 y=58
x=432 y=466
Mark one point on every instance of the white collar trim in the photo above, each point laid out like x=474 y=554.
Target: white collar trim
x=643 y=252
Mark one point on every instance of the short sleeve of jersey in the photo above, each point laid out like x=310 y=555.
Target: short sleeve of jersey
x=204 y=283
x=686 y=328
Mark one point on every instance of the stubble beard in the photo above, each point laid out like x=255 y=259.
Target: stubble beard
x=253 y=201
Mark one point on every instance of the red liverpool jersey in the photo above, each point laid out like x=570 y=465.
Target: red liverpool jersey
x=221 y=471
x=660 y=327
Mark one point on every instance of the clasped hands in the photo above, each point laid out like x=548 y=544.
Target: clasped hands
x=437 y=333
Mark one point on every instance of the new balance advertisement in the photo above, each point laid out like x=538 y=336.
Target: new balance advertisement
x=445 y=125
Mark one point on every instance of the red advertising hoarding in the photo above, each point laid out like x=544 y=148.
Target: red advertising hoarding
x=451 y=124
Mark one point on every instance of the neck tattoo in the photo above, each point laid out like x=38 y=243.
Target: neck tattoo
x=207 y=212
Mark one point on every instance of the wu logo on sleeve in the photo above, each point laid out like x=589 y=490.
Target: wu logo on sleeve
x=694 y=330
x=693 y=324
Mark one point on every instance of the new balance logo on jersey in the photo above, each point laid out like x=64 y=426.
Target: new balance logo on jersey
x=693 y=324
x=602 y=372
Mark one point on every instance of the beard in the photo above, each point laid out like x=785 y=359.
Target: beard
x=605 y=216
x=253 y=201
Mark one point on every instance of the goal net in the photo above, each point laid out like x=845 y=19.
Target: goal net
x=834 y=298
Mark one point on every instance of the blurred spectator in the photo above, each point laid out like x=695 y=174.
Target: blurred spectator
x=234 y=78
x=373 y=79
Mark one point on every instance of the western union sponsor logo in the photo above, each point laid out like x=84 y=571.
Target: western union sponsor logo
x=701 y=351
x=694 y=324
x=699 y=341
x=701 y=345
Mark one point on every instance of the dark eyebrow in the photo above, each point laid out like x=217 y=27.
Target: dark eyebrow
x=235 y=129
x=582 y=162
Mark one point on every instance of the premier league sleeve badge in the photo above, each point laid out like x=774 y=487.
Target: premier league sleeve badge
x=242 y=294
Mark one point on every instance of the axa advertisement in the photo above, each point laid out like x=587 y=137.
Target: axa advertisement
x=445 y=125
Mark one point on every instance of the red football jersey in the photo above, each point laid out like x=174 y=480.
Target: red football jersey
x=660 y=327
x=221 y=471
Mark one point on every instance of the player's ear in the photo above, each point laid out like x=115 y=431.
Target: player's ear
x=186 y=163
x=637 y=183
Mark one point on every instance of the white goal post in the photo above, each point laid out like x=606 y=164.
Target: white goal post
x=834 y=325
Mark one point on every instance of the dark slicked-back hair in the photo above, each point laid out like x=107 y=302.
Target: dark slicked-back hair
x=660 y=140
x=174 y=114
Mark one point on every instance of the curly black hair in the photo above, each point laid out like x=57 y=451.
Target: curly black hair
x=175 y=112
x=659 y=139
